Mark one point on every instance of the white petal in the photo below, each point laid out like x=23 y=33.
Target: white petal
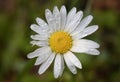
x=46 y=64
x=57 y=66
x=37 y=29
x=34 y=27
x=38 y=52
x=83 y=45
x=70 y=16
x=42 y=58
x=87 y=31
x=40 y=43
x=62 y=65
x=75 y=21
x=56 y=14
x=78 y=48
x=83 y=24
x=93 y=52
x=63 y=13
x=50 y=19
x=73 y=59
x=41 y=22
x=71 y=66
x=39 y=37
x=89 y=43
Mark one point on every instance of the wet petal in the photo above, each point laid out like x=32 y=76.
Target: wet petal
x=70 y=16
x=57 y=66
x=83 y=24
x=50 y=19
x=40 y=43
x=87 y=31
x=42 y=23
x=63 y=14
x=92 y=52
x=46 y=64
x=37 y=29
x=42 y=58
x=75 y=21
x=38 y=52
x=73 y=59
x=39 y=37
x=56 y=14
x=70 y=65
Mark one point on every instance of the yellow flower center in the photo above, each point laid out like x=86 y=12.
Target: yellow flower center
x=60 y=42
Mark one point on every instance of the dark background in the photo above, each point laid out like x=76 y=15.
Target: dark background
x=16 y=16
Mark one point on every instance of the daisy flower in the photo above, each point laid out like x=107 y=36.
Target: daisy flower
x=60 y=37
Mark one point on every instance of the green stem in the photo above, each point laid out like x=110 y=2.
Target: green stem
x=60 y=79
x=88 y=7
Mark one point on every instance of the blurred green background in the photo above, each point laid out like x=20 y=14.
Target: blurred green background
x=16 y=16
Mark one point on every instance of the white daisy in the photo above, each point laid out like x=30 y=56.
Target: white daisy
x=60 y=37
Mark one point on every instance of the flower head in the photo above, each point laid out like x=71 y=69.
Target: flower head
x=60 y=37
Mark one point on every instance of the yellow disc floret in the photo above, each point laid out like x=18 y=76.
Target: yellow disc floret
x=60 y=42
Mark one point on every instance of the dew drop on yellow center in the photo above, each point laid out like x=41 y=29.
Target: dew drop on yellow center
x=60 y=42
